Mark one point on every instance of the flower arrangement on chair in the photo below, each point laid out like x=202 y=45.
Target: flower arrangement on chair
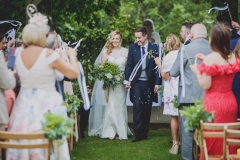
x=193 y=116
x=57 y=129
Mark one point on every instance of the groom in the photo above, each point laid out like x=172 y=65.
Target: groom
x=144 y=85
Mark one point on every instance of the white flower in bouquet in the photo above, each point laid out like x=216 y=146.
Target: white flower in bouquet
x=109 y=76
x=117 y=78
x=100 y=66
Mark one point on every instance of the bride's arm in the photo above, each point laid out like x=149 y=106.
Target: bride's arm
x=103 y=58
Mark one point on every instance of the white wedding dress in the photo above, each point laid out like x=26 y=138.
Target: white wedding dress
x=115 y=119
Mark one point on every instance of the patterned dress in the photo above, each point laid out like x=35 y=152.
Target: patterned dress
x=36 y=97
x=171 y=85
x=220 y=100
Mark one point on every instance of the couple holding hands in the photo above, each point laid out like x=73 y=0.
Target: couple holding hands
x=113 y=122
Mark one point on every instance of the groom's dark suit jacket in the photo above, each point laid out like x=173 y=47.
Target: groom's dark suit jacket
x=134 y=55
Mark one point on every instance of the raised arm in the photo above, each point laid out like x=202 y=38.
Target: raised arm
x=204 y=80
x=69 y=70
x=157 y=78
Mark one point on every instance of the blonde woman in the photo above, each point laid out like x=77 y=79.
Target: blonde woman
x=170 y=85
x=115 y=120
x=35 y=66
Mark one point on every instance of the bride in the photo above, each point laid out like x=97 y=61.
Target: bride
x=114 y=123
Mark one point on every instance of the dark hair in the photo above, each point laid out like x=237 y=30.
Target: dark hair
x=142 y=29
x=220 y=41
x=52 y=29
x=224 y=19
x=1 y=36
x=188 y=25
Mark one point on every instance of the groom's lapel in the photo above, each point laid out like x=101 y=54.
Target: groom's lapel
x=148 y=58
x=138 y=53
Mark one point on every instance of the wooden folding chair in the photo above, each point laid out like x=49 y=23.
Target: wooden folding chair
x=4 y=135
x=216 y=130
x=231 y=137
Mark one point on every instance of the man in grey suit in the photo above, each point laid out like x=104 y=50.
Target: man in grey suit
x=198 y=44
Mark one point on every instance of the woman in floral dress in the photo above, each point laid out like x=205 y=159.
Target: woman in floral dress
x=170 y=86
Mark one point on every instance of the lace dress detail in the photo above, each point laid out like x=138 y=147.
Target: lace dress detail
x=115 y=118
x=220 y=99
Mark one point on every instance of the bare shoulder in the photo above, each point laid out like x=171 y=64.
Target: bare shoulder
x=211 y=58
x=49 y=52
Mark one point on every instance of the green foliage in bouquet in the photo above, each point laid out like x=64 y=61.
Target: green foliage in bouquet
x=175 y=102
x=194 y=114
x=72 y=102
x=161 y=89
x=56 y=127
x=109 y=73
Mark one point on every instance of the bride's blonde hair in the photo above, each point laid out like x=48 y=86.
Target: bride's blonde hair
x=109 y=45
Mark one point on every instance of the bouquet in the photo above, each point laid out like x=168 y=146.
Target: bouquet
x=109 y=73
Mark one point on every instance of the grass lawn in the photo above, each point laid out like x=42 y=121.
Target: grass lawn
x=95 y=148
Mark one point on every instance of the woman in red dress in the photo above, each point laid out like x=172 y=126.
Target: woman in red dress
x=215 y=75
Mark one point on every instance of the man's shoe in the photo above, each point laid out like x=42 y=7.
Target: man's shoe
x=145 y=137
x=136 y=139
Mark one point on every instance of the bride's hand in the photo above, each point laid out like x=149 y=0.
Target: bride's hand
x=200 y=56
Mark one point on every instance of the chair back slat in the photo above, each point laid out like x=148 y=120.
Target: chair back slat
x=233 y=142
x=17 y=136
x=213 y=134
x=216 y=130
x=6 y=136
x=233 y=133
x=23 y=146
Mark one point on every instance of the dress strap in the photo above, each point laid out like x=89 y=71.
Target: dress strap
x=52 y=57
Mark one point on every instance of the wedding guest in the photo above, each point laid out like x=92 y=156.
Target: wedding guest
x=215 y=75
x=115 y=121
x=236 y=84
x=153 y=36
x=52 y=43
x=38 y=94
x=171 y=45
x=225 y=21
x=7 y=81
x=192 y=91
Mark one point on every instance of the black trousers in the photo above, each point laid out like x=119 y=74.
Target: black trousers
x=83 y=120
x=142 y=107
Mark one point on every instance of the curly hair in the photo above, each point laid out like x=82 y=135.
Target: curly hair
x=172 y=43
x=109 y=45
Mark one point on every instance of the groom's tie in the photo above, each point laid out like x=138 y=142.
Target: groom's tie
x=143 y=51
